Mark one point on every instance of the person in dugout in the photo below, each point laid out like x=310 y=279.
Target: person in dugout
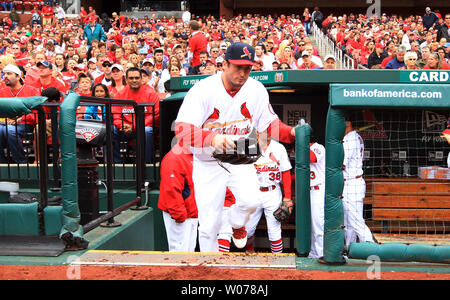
x=177 y=200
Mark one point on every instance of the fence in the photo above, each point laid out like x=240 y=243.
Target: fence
x=19 y=136
x=33 y=168
x=327 y=46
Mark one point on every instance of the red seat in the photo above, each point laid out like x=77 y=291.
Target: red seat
x=18 y=4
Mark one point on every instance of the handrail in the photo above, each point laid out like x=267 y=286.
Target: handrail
x=140 y=127
x=327 y=45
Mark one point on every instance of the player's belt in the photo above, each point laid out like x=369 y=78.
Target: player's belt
x=353 y=178
x=316 y=187
x=267 y=188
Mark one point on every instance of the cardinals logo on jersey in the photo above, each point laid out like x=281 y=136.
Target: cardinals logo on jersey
x=245 y=112
x=236 y=127
x=273 y=158
x=212 y=118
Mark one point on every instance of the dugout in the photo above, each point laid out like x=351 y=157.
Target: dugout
x=298 y=94
x=306 y=94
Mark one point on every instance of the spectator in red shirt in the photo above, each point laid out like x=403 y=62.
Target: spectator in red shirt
x=15 y=129
x=197 y=43
x=48 y=13
x=83 y=16
x=307 y=63
x=434 y=62
x=46 y=78
x=124 y=116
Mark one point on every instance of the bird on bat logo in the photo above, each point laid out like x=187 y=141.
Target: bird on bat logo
x=215 y=115
x=244 y=111
x=246 y=53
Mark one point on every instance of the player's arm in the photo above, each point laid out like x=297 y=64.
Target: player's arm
x=287 y=190
x=191 y=135
x=281 y=132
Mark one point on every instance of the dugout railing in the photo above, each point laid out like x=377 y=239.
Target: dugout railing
x=43 y=166
x=26 y=172
x=327 y=45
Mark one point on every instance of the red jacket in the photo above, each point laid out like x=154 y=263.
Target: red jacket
x=48 y=12
x=197 y=44
x=126 y=115
x=176 y=190
x=26 y=91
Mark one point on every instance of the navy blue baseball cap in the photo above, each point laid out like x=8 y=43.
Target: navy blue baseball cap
x=240 y=54
x=45 y=63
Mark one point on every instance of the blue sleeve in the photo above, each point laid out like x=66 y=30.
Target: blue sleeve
x=91 y=113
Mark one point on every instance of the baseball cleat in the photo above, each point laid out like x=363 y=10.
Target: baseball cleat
x=240 y=237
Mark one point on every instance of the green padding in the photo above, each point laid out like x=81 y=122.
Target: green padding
x=19 y=219
x=53 y=220
x=72 y=231
x=334 y=184
x=302 y=183
x=13 y=107
x=398 y=252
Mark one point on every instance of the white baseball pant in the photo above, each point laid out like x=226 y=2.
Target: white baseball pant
x=353 y=201
x=225 y=231
x=181 y=237
x=317 y=199
x=269 y=202
x=210 y=181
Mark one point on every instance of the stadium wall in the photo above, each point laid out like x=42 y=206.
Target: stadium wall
x=401 y=7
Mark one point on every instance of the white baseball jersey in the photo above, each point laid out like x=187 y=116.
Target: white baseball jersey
x=273 y=161
x=317 y=170
x=353 y=155
x=207 y=105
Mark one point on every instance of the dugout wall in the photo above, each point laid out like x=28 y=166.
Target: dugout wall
x=386 y=97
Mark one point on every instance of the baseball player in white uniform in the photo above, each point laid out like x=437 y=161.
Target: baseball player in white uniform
x=217 y=111
x=273 y=171
x=354 y=188
x=317 y=198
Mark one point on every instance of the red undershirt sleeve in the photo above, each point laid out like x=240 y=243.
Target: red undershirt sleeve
x=286 y=178
x=191 y=135
x=312 y=157
x=280 y=131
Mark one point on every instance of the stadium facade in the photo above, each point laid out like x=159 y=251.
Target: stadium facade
x=230 y=8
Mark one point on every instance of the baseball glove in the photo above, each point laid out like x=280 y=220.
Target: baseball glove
x=284 y=211
x=246 y=152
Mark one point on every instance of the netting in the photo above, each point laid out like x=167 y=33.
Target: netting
x=402 y=193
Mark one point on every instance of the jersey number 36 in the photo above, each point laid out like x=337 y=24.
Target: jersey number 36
x=274 y=176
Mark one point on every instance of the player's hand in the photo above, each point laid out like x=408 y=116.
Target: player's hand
x=127 y=128
x=221 y=143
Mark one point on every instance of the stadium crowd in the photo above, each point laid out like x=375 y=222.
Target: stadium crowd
x=96 y=55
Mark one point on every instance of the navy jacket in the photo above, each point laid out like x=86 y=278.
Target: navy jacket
x=395 y=64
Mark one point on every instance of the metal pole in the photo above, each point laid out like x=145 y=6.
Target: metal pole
x=140 y=157
x=55 y=146
x=109 y=168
